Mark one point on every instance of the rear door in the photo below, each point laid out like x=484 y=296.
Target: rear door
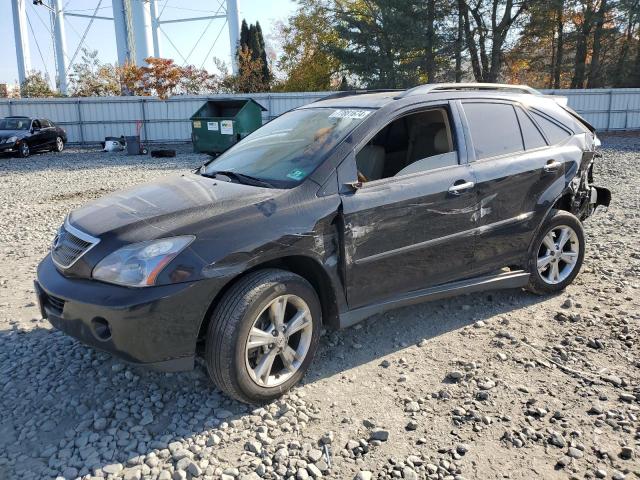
x=49 y=131
x=516 y=170
x=408 y=232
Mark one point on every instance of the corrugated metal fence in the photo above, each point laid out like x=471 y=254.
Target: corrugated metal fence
x=89 y=120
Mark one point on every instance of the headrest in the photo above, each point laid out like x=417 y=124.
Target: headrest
x=440 y=141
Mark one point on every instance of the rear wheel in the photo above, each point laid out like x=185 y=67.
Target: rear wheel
x=557 y=254
x=263 y=335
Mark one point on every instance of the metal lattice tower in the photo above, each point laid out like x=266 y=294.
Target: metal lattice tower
x=137 y=25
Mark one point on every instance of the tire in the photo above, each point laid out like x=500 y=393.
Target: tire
x=59 y=145
x=553 y=265
x=23 y=150
x=248 y=305
x=163 y=153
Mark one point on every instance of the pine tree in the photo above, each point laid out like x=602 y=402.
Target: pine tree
x=252 y=43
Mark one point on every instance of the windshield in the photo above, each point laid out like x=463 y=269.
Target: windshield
x=15 y=123
x=289 y=148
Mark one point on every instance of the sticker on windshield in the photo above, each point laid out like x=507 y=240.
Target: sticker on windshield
x=296 y=174
x=350 y=113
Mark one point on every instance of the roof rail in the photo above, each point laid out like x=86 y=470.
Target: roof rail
x=421 y=89
x=349 y=93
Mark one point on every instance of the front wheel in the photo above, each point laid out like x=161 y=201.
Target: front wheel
x=557 y=254
x=59 y=146
x=23 y=150
x=263 y=335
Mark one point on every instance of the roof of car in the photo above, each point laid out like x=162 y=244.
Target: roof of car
x=436 y=91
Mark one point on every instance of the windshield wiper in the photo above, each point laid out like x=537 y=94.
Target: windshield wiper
x=240 y=178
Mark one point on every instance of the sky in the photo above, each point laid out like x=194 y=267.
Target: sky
x=186 y=37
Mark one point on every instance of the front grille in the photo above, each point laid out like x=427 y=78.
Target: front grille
x=57 y=304
x=68 y=247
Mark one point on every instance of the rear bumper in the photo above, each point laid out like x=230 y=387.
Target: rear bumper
x=155 y=327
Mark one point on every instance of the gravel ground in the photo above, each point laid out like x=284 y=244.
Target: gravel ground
x=494 y=385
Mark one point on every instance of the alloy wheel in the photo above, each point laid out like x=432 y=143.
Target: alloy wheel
x=24 y=150
x=558 y=254
x=59 y=144
x=279 y=341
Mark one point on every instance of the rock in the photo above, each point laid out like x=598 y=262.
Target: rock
x=455 y=375
x=113 y=468
x=363 y=475
x=253 y=446
x=281 y=455
x=613 y=379
x=314 y=471
x=412 y=425
x=486 y=385
x=596 y=409
x=627 y=397
x=618 y=476
x=379 y=434
x=302 y=474
x=409 y=474
x=314 y=455
x=563 y=461
x=327 y=438
x=412 y=407
x=568 y=303
x=557 y=440
x=626 y=453
x=100 y=424
x=462 y=448
x=575 y=453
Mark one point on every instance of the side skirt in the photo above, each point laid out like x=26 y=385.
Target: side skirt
x=514 y=279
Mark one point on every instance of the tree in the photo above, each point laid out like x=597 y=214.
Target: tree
x=249 y=78
x=384 y=42
x=36 y=85
x=486 y=32
x=307 y=40
x=252 y=42
x=91 y=78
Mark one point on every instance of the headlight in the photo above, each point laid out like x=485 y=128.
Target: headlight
x=11 y=139
x=139 y=264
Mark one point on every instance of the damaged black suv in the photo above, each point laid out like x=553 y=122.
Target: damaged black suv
x=332 y=212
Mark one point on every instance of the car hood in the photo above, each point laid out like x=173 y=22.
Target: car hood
x=170 y=205
x=12 y=133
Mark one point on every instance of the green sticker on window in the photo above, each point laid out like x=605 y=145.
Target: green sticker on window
x=296 y=174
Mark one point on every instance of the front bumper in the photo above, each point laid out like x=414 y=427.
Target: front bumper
x=8 y=147
x=153 y=326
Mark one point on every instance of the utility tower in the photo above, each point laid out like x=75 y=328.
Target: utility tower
x=137 y=27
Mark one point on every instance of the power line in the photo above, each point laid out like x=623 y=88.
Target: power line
x=214 y=43
x=33 y=33
x=84 y=35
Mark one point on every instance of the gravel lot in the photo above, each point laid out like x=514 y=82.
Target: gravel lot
x=497 y=385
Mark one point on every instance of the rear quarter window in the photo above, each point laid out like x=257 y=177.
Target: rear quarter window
x=554 y=132
x=494 y=129
x=530 y=132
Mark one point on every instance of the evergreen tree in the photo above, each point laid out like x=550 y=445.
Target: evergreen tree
x=252 y=43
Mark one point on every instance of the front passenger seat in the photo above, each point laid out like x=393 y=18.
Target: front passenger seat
x=370 y=161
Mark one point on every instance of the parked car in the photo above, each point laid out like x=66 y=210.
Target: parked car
x=330 y=213
x=25 y=135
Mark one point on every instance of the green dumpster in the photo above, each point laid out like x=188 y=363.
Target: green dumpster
x=219 y=124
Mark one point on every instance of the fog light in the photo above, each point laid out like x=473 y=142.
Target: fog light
x=101 y=328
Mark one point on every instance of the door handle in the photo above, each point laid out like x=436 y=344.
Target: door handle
x=458 y=188
x=552 y=166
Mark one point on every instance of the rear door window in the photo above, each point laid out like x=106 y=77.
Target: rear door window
x=494 y=129
x=530 y=132
x=554 y=132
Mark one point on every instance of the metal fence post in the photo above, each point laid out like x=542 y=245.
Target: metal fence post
x=609 y=110
x=80 y=122
x=10 y=108
x=144 y=119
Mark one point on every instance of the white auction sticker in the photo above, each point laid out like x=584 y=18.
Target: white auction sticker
x=212 y=126
x=226 y=127
x=350 y=113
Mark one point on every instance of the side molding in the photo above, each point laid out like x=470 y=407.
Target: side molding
x=515 y=279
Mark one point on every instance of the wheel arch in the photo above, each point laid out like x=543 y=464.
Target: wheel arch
x=308 y=268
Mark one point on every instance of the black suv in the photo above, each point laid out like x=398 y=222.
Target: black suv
x=24 y=135
x=330 y=213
